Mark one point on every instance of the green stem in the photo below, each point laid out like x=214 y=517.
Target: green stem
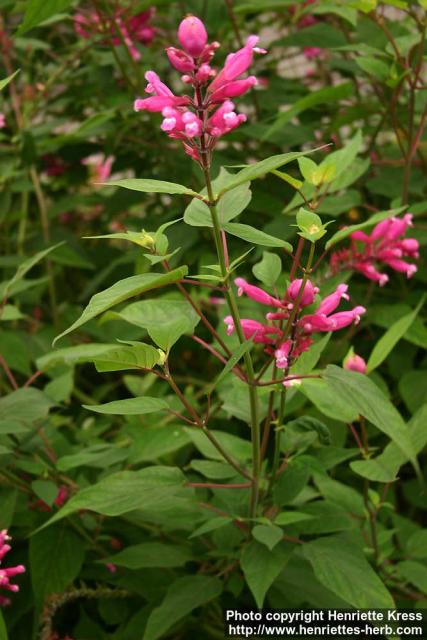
x=250 y=374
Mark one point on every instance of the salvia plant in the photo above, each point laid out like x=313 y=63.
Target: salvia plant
x=199 y=413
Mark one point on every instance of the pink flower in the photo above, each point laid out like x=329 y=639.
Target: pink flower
x=385 y=245
x=255 y=293
x=62 y=496
x=194 y=121
x=308 y=294
x=355 y=363
x=10 y=572
x=121 y=28
x=192 y=36
x=111 y=567
x=100 y=166
x=2 y=120
x=312 y=52
x=292 y=336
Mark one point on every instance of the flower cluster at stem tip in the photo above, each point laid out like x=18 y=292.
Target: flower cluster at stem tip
x=385 y=245
x=200 y=120
x=288 y=330
x=10 y=572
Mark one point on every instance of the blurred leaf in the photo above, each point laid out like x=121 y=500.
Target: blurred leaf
x=391 y=337
x=374 y=67
x=183 y=596
x=37 y=11
x=347 y=13
x=326 y=95
x=413 y=572
x=5 y=81
x=290 y=518
x=236 y=447
x=135 y=356
x=416 y=545
x=25 y=405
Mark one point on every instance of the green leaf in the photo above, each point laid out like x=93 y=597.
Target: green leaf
x=98 y=456
x=361 y=394
x=211 y=525
x=261 y=567
x=391 y=337
x=255 y=236
x=237 y=447
x=309 y=171
x=267 y=534
x=326 y=95
x=296 y=184
x=230 y=205
x=150 y=554
x=259 y=169
x=290 y=518
x=135 y=356
x=155 y=442
x=129 y=407
x=183 y=596
x=330 y=7
x=269 y=269
x=232 y=361
x=341 y=567
x=414 y=572
x=37 y=11
x=374 y=67
x=45 y=490
x=142 y=238
x=375 y=469
x=152 y=186
x=24 y=405
x=124 y=491
x=56 y=557
x=308 y=423
x=416 y=546
x=166 y=320
x=4 y=83
x=73 y=355
x=25 y=267
x=373 y=220
x=3 y=630
x=121 y=291
x=292 y=482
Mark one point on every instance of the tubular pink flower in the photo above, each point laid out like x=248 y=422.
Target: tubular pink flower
x=355 y=363
x=156 y=86
x=315 y=322
x=236 y=64
x=192 y=36
x=402 y=266
x=330 y=303
x=158 y=103
x=369 y=271
x=345 y=318
x=233 y=89
x=308 y=294
x=398 y=226
x=282 y=354
x=2 y=120
x=410 y=247
x=255 y=293
x=180 y=60
x=9 y=572
x=252 y=329
x=360 y=236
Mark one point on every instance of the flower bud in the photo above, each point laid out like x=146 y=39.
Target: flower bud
x=192 y=36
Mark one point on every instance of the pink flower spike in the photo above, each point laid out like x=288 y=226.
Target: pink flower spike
x=330 y=303
x=255 y=293
x=180 y=60
x=236 y=64
x=355 y=363
x=402 y=266
x=308 y=295
x=192 y=36
x=8 y=572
